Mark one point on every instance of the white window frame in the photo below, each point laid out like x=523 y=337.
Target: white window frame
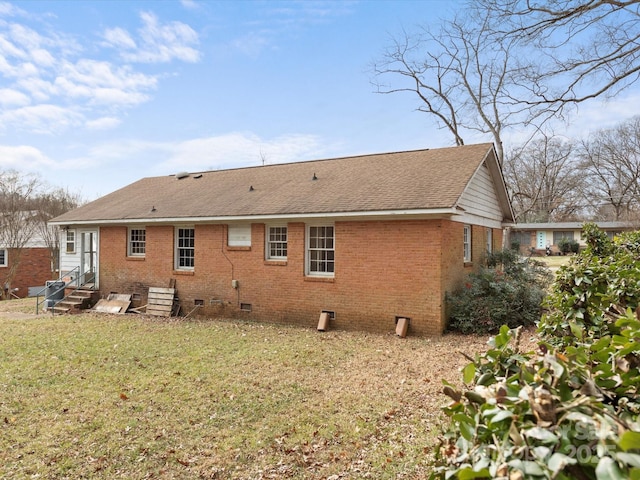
x=239 y=235
x=70 y=240
x=312 y=248
x=181 y=249
x=489 y=240
x=466 y=243
x=4 y=257
x=137 y=247
x=276 y=246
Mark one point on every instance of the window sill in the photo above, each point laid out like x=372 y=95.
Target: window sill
x=184 y=272
x=135 y=259
x=319 y=279
x=238 y=249
x=276 y=263
x=468 y=264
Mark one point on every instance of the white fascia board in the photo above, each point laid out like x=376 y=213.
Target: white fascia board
x=477 y=220
x=374 y=215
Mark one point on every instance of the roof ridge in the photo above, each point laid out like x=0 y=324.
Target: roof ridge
x=317 y=160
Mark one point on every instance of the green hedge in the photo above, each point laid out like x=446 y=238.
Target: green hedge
x=568 y=410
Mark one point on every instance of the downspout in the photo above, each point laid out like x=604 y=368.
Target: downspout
x=237 y=287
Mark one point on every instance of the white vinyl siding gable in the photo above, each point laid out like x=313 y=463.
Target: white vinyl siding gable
x=480 y=198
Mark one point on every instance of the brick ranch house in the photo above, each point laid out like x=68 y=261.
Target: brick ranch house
x=370 y=238
x=534 y=238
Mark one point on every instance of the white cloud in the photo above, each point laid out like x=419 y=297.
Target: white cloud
x=189 y=4
x=238 y=149
x=24 y=156
x=158 y=43
x=253 y=43
x=100 y=83
x=48 y=77
x=11 y=98
x=44 y=118
x=103 y=123
x=39 y=89
x=232 y=150
x=118 y=37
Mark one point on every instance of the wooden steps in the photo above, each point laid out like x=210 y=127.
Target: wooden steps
x=77 y=301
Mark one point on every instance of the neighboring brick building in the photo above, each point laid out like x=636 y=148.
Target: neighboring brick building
x=369 y=238
x=33 y=270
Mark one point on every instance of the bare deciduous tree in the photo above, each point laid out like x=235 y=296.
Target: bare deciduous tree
x=584 y=48
x=464 y=75
x=26 y=205
x=543 y=182
x=46 y=206
x=17 y=221
x=611 y=159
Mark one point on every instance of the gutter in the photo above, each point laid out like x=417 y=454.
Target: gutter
x=374 y=215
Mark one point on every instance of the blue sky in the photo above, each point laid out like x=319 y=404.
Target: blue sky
x=97 y=94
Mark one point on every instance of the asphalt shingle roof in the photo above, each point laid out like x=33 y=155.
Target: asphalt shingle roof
x=413 y=180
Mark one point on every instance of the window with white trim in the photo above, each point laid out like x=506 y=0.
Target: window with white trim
x=137 y=244
x=489 y=240
x=276 y=247
x=4 y=257
x=185 y=248
x=320 y=250
x=70 y=241
x=466 y=243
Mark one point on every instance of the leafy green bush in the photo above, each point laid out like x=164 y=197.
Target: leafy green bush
x=571 y=409
x=601 y=281
x=507 y=290
x=565 y=246
x=546 y=414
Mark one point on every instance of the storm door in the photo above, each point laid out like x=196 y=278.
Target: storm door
x=89 y=257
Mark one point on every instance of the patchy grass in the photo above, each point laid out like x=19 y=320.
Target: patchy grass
x=555 y=261
x=121 y=396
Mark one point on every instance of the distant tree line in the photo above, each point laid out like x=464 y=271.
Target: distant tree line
x=26 y=205
x=596 y=178
x=498 y=67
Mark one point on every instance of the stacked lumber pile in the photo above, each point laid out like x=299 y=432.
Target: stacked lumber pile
x=114 y=303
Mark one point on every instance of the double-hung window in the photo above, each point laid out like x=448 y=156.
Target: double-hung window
x=3 y=257
x=276 y=247
x=185 y=248
x=137 y=244
x=70 y=241
x=321 y=250
x=466 y=243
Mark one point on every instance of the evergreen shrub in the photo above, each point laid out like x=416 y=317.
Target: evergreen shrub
x=507 y=290
x=569 y=409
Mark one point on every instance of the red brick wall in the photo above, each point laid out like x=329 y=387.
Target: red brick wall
x=383 y=270
x=34 y=270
